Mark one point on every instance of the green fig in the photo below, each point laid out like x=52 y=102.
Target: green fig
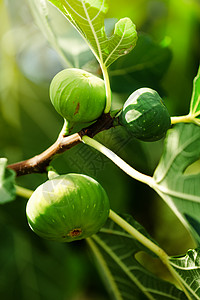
x=145 y=115
x=78 y=96
x=67 y=208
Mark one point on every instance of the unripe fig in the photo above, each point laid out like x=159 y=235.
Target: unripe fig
x=78 y=96
x=145 y=115
x=68 y=208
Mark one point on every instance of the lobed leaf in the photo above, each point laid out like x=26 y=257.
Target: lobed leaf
x=121 y=42
x=87 y=16
x=195 y=101
x=187 y=268
x=7 y=181
x=179 y=188
x=126 y=278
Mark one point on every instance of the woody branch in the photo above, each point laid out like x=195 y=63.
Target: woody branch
x=40 y=162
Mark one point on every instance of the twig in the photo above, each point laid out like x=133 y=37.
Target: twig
x=40 y=162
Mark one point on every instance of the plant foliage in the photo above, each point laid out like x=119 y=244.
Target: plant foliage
x=88 y=18
x=118 y=244
x=179 y=189
x=115 y=251
x=7 y=181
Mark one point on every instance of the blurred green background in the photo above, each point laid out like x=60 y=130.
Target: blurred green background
x=35 y=269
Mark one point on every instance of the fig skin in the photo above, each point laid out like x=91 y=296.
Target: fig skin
x=145 y=116
x=78 y=96
x=68 y=208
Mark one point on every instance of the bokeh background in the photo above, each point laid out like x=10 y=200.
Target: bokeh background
x=35 y=269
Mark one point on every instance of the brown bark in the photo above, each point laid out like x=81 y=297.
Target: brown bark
x=40 y=162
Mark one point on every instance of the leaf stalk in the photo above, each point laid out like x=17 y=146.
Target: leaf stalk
x=107 y=86
x=118 y=161
x=185 y=119
x=23 y=192
x=150 y=245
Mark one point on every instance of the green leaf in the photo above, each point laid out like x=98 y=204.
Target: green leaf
x=187 y=268
x=195 y=101
x=175 y=184
x=121 y=42
x=87 y=16
x=7 y=181
x=145 y=66
x=126 y=278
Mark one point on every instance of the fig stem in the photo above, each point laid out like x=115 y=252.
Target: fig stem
x=137 y=235
x=190 y=118
x=107 y=86
x=23 y=192
x=119 y=162
x=182 y=119
x=150 y=245
x=65 y=131
x=52 y=172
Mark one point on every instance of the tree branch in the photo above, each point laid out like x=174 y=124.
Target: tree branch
x=39 y=163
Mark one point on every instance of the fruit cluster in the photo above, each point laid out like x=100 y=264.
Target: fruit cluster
x=74 y=206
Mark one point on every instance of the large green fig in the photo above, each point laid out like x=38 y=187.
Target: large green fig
x=68 y=208
x=145 y=115
x=78 y=96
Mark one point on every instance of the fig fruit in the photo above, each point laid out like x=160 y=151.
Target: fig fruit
x=145 y=115
x=78 y=96
x=67 y=208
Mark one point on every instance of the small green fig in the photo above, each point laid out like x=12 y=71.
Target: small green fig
x=67 y=208
x=145 y=115
x=78 y=96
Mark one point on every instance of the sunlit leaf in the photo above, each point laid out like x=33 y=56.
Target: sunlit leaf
x=195 y=101
x=125 y=277
x=187 y=268
x=87 y=16
x=7 y=180
x=180 y=189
